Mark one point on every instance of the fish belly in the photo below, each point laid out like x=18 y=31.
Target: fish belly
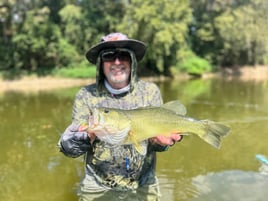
x=147 y=124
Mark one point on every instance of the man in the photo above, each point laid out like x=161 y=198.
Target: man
x=114 y=171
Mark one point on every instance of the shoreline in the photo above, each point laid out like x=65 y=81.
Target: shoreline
x=36 y=84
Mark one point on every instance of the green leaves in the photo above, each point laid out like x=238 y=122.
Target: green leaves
x=163 y=25
x=58 y=33
x=231 y=32
x=195 y=65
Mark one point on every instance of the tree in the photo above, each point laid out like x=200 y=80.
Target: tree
x=100 y=18
x=49 y=33
x=36 y=41
x=6 y=30
x=224 y=31
x=163 y=25
x=71 y=26
x=243 y=31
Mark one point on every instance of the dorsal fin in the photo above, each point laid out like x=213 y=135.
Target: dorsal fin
x=175 y=106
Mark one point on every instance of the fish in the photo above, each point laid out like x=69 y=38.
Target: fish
x=118 y=126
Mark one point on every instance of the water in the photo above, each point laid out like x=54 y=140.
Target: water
x=31 y=167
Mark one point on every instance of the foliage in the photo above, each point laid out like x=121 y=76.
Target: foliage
x=230 y=33
x=36 y=44
x=99 y=18
x=162 y=24
x=71 y=23
x=45 y=36
x=66 y=54
x=82 y=71
x=244 y=47
x=195 y=65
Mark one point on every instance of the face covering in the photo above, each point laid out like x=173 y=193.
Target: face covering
x=116 y=91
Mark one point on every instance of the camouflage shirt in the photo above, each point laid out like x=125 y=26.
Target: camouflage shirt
x=118 y=167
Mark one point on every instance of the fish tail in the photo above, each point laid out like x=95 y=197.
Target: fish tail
x=214 y=132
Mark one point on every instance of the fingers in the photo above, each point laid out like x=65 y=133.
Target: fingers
x=176 y=137
x=164 y=141
x=83 y=128
x=91 y=135
x=181 y=138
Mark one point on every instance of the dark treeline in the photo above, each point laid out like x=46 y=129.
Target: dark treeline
x=180 y=34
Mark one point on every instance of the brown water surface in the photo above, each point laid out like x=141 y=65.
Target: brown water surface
x=32 y=169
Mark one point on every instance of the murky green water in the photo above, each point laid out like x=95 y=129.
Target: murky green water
x=32 y=169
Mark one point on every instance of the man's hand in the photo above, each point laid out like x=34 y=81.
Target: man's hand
x=91 y=135
x=74 y=142
x=164 y=141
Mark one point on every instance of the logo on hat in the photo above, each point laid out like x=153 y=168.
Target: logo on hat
x=114 y=37
x=113 y=41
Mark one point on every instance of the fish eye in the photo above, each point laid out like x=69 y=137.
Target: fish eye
x=106 y=111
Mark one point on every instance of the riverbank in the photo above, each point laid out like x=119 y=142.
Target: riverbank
x=35 y=84
x=256 y=73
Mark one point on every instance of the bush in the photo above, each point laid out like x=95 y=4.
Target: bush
x=66 y=53
x=80 y=71
x=195 y=65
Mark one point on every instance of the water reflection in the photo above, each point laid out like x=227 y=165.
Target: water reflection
x=241 y=105
x=32 y=168
x=231 y=185
x=30 y=164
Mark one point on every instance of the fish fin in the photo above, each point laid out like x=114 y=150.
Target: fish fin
x=140 y=148
x=175 y=106
x=214 y=132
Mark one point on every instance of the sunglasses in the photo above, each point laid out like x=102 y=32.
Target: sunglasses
x=110 y=56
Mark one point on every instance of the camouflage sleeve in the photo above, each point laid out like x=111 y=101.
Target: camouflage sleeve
x=157 y=147
x=81 y=111
x=155 y=98
x=73 y=142
x=158 y=96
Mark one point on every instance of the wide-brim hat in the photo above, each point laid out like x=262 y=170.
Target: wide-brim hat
x=113 y=41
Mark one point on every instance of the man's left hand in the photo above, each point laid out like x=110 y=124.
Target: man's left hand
x=164 y=141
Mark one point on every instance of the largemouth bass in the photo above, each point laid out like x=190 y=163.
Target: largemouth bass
x=117 y=126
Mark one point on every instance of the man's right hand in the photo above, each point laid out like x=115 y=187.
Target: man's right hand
x=74 y=142
x=91 y=135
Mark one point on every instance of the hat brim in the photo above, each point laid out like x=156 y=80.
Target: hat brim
x=136 y=46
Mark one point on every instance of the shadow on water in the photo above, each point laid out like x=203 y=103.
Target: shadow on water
x=33 y=169
x=231 y=185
